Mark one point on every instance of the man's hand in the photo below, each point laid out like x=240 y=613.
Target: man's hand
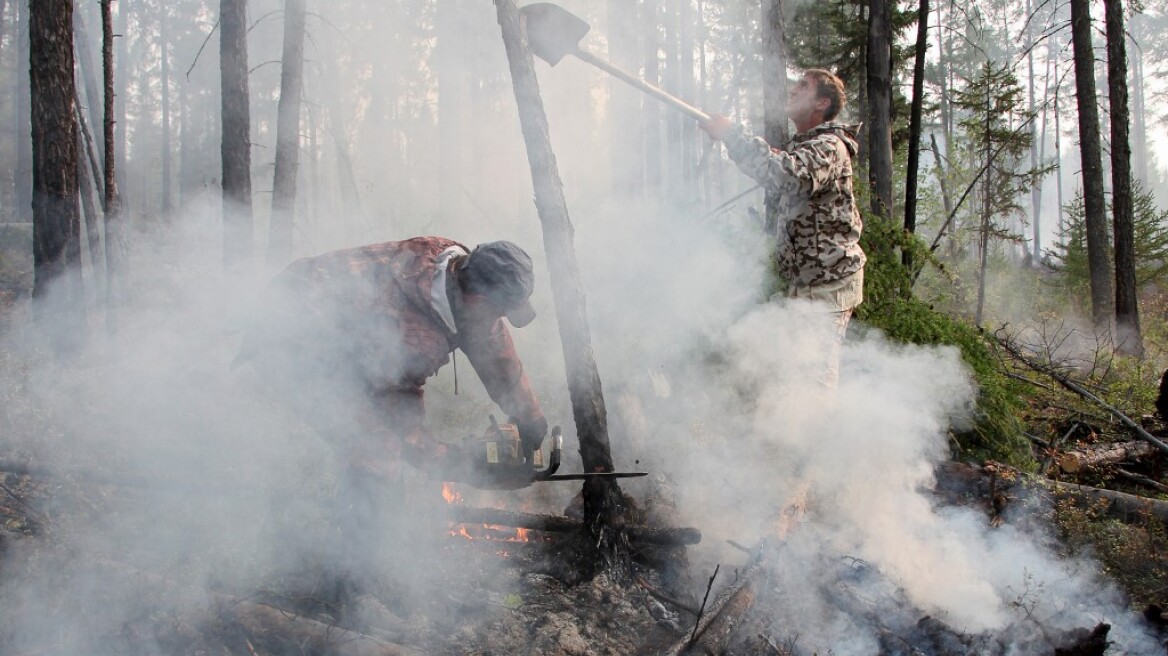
x=717 y=126
x=531 y=433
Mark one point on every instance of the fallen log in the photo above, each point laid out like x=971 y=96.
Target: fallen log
x=1105 y=454
x=309 y=634
x=1120 y=505
x=561 y=524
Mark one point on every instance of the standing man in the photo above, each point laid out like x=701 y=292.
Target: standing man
x=819 y=224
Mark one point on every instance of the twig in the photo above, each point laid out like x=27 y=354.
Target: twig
x=1056 y=444
x=661 y=596
x=694 y=636
x=200 y=52
x=739 y=547
x=1027 y=380
x=1142 y=480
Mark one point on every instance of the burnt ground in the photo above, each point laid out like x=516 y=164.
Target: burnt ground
x=472 y=590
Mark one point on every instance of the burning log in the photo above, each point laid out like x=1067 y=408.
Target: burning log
x=1106 y=454
x=561 y=524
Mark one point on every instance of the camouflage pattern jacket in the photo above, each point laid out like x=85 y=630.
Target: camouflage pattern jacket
x=363 y=317
x=819 y=224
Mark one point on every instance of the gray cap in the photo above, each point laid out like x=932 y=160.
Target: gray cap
x=502 y=272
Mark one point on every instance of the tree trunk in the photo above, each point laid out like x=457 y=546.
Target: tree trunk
x=122 y=76
x=1036 y=190
x=914 y=129
x=774 y=92
x=24 y=159
x=987 y=212
x=113 y=202
x=602 y=498
x=1092 y=163
x=6 y=170
x=164 y=72
x=1107 y=454
x=56 y=224
x=1139 y=118
x=879 y=87
x=1127 y=315
x=624 y=101
x=287 y=134
x=651 y=111
x=84 y=56
x=89 y=215
x=238 y=234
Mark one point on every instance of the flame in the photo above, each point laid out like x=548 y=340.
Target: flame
x=452 y=496
x=492 y=532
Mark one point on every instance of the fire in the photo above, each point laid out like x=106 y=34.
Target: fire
x=492 y=532
x=452 y=496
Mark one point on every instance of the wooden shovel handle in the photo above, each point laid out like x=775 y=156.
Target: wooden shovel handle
x=656 y=92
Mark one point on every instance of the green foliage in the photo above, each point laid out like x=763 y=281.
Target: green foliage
x=995 y=431
x=1068 y=255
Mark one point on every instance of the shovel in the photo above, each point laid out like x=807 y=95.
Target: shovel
x=553 y=32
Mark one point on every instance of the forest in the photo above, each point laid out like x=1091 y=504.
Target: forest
x=989 y=475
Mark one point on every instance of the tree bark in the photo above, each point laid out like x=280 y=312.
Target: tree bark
x=164 y=72
x=89 y=214
x=56 y=222
x=1127 y=315
x=914 y=129
x=1139 y=118
x=113 y=201
x=774 y=92
x=24 y=159
x=1036 y=190
x=84 y=57
x=287 y=134
x=1092 y=163
x=121 y=74
x=1107 y=454
x=238 y=237
x=602 y=498
x=879 y=87
x=7 y=173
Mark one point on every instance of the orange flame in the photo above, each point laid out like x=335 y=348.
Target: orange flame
x=451 y=495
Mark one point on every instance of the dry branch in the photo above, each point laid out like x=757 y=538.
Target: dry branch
x=561 y=524
x=722 y=616
x=1106 y=454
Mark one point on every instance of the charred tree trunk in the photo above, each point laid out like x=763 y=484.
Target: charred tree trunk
x=235 y=150
x=56 y=224
x=113 y=202
x=879 y=87
x=774 y=91
x=602 y=498
x=287 y=134
x=914 y=129
x=1092 y=162
x=1127 y=314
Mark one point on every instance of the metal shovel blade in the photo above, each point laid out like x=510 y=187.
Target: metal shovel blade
x=552 y=31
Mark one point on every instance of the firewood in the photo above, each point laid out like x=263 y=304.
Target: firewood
x=561 y=524
x=1078 y=460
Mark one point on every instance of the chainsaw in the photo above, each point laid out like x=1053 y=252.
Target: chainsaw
x=502 y=453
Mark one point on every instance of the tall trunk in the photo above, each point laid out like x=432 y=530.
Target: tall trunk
x=1092 y=162
x=689 y=127
x=287 y=134
x=651 y=111
x=879 y=87
x=6 y=170
x=1139 y=118
x=1036 y=190
x=238 y=237
x=624 y=101
x=774 y=91
x=24 y=159
x=1058 y=157
x=602 y=498
x=56 y=224
x=113 y=202
x=89 y=216
x=987 y=211
x=84 y=57
x=1127 y=316
x=122 y=77
x=167 y=154
x=914 y=130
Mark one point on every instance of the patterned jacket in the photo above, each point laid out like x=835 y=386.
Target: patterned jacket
x=819 y=224
x=364 y=317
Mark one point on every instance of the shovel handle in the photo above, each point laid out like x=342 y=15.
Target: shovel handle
x=656 y=92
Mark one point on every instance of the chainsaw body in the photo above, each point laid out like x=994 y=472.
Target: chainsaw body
x=500 y=453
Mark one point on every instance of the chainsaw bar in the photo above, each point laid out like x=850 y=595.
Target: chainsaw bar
x=584 y=477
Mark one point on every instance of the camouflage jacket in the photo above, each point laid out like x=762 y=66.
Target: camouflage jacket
x=819 y=224
x=367 y=312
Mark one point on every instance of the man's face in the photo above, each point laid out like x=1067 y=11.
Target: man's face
x=803 y=100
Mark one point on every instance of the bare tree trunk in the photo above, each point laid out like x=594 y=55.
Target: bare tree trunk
x=774 y=91
x=238 y=237
x=1036 y=190
x=879 y=90
x=1139 y=118
x=987 y=212
x=651 y=111
x=287 y=134
x=122 y=76
x=624 y=102
x=914 y=129
x=602 y=498
x=57 y=286
x=164 y=50
x=113 y=202
x=1127 y=314
x=84 y=57
x=23 y=182
x=89 y=216
x=1092 y=163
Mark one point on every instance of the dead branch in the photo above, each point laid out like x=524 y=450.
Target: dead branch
x=661 y=596
x=1120 y=505
x=561 y=524
x=1081 y=391
x=722 y=618
x=1141 y=480
x=1106 y=454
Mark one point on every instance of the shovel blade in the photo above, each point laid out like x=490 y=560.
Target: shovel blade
x=552 y=31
